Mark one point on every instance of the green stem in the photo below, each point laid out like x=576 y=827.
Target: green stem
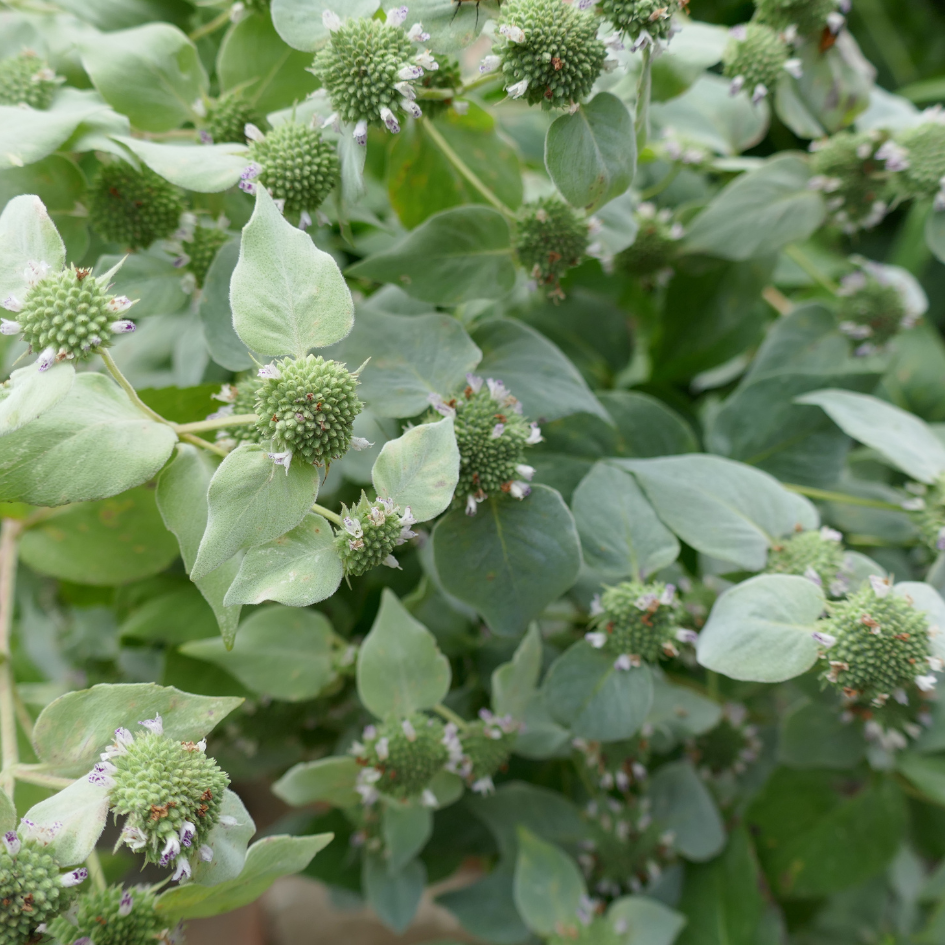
x=644 y=87
x=463 y=169
x=450 y=715
x=661 y=185
x=712 y=684
x=9 y=533
x=327 y=513
x=793 y=251
x=31 y=774
x=96 y=873
x=204 y=444
x=841 y=497
x=200 y=426
x=211 y=27
x=125 y=385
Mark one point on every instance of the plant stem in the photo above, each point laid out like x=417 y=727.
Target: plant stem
x=841 y=497
x=200 y=425
x=125 y=385
x=794 y=252
x=662 y=184
x=96 y=873
x=476 y=83
x=450 y=715
x=9 y=533
x=327 y=513
x=777 y=300
x=211 y=27
x=204 y=444
x=22 y=713
x=463 y=168
x=644 y=87
x=32 y=775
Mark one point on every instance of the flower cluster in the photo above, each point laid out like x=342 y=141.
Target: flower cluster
x=848 y=168
x=65 y=315
x=485 y=745
x=755 y=59
x=400 y=758
x=32 y=890
x=638 y=623
x=491 y=435
x=817 y=555
x=655 y=246
x=133 y=208
x=238 y=399
x=808 y=17
x=927 y=508
x=370 y=70
x=876 y=645
x=548 y=51
x=114 y=916
x=27 y=80
x=226 y=118
x=306 y=407
x=875 y=304
x=728 y=748
x=169 y=792
x=646 y=21
x=917 y=156
x=295 y=164
x=370 y=532
x=198 y=245
x=550 y=238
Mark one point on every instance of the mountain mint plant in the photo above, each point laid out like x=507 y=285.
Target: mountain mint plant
x=543 y=503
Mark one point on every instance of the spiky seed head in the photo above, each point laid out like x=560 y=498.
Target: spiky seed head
x=638 y=620
x=552 y=47
x=655 y=247
x=133 y=208
x=447 y=76
x=372 y=530
x=928 y=515
x=298 y=165
x=729 y=747
x=309 y=409
x=631 y=17
x=27 y=79
x=925 y=147
x=487 y=748
x=413 y=753
x=242 y=397
x=201 y=250
x=30 y=892
x=817 y=555
x=550 y=238
x=758 y=58
x=870 y=309
x=228 y=116
x=808 y=16
x=112 y=916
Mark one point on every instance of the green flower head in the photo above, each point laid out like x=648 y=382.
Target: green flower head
x=808 y=17
x=917 y=158
x=227 y=118
x=755 y=59
x=27 y=80
x=655 y=246
x=643 y=20
x=114 y=916
x=816 y=555
x=370 y=532
x=550 y=238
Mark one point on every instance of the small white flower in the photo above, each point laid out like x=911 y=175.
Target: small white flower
x=826 y=640
x=382 y=747
x=440 y=406
x=183 y=870
x=227 y=820
x=687 y=636
x=668 y=595
x=360 y=443
x=122 y=327
x=408 y=730
x=101 y=774
x=935 y=663
x=407 y=517
x=519 y=489
x=205 y=853
x=830 y=534
x=926 y=683
x=411 y=108
x=8 y=327
x=489 y=64
x=252 y=132
x=534 y=435
x=428 y=799
x=390 y=120
x=642 y=41
x=134 y=838
x=794 y=67
x=512 y=33
x=333 y=121
x=75 y=877
x=397 y=17
x=597 y=607
x=35 y=272
x=12 y=304
x=187 y=833
x=171 y=851
x=406 y=90
x=416 y=34
x=835 y=21
x=916 y=504
x=305 y=220
x=46 y=359
x=596 y=639
x=426 y=61
x=472 y=506
x=408 y=72
x=360 y=132
x=497 y=431
x=881 y=586
x=525 y=471
x=155 y=725
x=119 y=304
x=518 y=89
x=759 y=94
x=12 y=842
x=739 y=32
x=126 y=904
x=270 y=372
x=624 y=662
x=483 y=786
x=352 y=526
x=369 y=794
x=283 y=459
x=813 y=576
x=331 y=21
x=474 y=382
x=895 y=156
x=736 y=85
x=391 y=562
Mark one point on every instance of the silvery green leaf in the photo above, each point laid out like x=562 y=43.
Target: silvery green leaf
x=26 y=235
x=286 y=294
x=223 y=342
x=646 y=921
x=683 y=804
x=299 y=22
x=420 y=469
x=228 y=842
x=548 y=885
x=205 y=169
x=328 y=780
x=33 y=394
x=394 y=896
x=927 y=599
x=760 y=630
x=515 y=683
x=406 y=828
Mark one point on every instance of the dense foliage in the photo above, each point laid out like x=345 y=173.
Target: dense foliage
x=510 y=435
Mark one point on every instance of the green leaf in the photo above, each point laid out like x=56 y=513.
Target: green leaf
x=591 y=155
x=174 y=617
x=109 y=542
x=151 y=278
x=406 y=828
x=647 y=921
x=33 y=393
x=420 y=469
x=411 y=356
x=328 y=780
x=228 y=842
x=594 y=699
x=182 y=501
x=759 y=212
x=251 y=501
x=7 y=813
x=760 y=630
x=514 y=683
x=454 y=256
x=299 y=22
x=80 y=810
x=27 y=135
x=534 y=370
x=722 y=900
x=271 y=74
x=646 y=426
x=280 y=652
x=683 y=804
x=679 y=712
x=266 y=861
x=298 y=568
x=26 y=235
x=56 y=180
x=400 y=668
x=486 y=909
x=905 y=440
x=393 y=896
x=925 y=772
x=93 y=444
x=72 y=730
x=150 y=73
x=812 y=735
x=287 y=295
x=511 y=559
x=206 y=169
x=548 y=885
x=620 y=534
x=223 y=342
x=935 y=234
x=720 y=507
x=927 y=599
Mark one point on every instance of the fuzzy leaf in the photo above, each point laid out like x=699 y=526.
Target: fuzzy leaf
x=205 y=169
x=548 y=885
x=81 y=809
x=33 y=394
x=328 y=780
x=27 y=234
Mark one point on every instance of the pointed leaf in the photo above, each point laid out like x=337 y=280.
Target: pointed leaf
x=205 y=169
x=515 y=683
x=27 y=234
x=32 y=394
x=393 y=896
x=646 y=921
x=228 y=843
x=406 y=829
x=81 y=810
x=548 y=885
x=683 y=804
x=328 y=780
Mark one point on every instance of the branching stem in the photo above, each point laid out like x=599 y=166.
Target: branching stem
x=9 y=533
x=827 y=496
x=32 y=774
x=200 y=426
x=450 y=715
x=125 y=385
x=327 y=513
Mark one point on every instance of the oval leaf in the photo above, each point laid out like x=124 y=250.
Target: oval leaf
x=27 y=234
x=32 y=394
x=328 y=780
x=682 y=803
x=206 y=169
x=548 y=885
